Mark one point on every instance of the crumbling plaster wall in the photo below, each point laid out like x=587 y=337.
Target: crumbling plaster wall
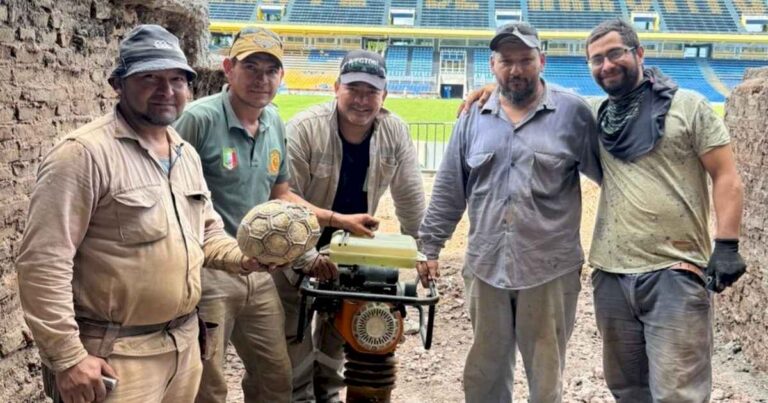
x=742 y=312
x=55 y=57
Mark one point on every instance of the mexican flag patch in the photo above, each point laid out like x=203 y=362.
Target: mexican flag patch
x=229 y=158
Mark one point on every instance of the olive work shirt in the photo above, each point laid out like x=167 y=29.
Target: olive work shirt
x=520 y=185
x=113 y=236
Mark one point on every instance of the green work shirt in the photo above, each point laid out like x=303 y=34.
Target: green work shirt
x=240 y=170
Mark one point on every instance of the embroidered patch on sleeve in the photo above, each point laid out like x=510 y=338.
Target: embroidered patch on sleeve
x=274 y=161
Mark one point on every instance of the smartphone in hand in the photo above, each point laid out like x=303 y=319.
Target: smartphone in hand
x=109 y=383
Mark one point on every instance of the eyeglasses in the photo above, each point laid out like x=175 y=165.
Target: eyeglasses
x=614 y=55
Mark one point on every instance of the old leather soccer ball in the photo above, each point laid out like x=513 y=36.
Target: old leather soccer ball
x=278 y=232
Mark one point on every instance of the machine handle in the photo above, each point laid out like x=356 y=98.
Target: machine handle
x=426 y=331
x=431 y=299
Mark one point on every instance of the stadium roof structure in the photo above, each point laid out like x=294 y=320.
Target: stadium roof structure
x=480 y=34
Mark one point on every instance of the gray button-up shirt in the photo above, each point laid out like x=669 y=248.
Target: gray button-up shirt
x=521 y=187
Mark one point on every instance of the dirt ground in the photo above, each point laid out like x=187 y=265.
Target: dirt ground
x=435 y=375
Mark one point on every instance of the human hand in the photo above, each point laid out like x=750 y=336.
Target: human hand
x=250 y=265
x=357 y=224
x=725 y=265
x=82 y=383
x=323 y=269
x=427 y=271
x=480 y=95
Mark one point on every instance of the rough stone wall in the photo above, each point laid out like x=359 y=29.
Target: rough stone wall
x=742 y=310
x=55 y=57
x=209 y=81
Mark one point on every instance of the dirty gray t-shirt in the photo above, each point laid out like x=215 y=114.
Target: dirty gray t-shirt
x=655 y=211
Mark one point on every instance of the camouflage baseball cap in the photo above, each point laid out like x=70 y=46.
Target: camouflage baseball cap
x=252 y=40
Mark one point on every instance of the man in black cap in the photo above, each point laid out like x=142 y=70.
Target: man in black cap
x=343 y=155
x=514 y=165
x=653 y=257
x=120 y=224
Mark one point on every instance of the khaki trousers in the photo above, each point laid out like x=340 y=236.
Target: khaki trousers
x=538 y=321
x=172 y=377
x=249 y=314
x=167 y=378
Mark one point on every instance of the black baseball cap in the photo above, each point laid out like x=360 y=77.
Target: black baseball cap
x=364 y=66
x=516 y=31
x=150 y=48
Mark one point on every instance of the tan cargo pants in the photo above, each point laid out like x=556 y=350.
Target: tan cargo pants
x=249 y=314
x=171 y=377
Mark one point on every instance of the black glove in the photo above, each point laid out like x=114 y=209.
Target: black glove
x=725 y=265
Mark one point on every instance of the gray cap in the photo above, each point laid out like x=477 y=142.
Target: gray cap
x=518 y=32
x=364 y=66
x=150 y=48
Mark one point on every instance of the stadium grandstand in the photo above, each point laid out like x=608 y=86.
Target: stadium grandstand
x=439 y=48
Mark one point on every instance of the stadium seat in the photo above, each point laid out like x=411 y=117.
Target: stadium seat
x=421 y=61
x=325 y=56
x=481 y=69
x=687 y=74
x=697 y=16
x=232 y=10
x=342 y=12
x=508 y=5
x=571 y=14
x=409 y=70
x=455 y=13
x=404 y=4
x=751 y=7
x=572 y=73
x=730 y=72
x=397 y=61
x=640 y=6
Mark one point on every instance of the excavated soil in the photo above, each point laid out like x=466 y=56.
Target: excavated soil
x=435 y=375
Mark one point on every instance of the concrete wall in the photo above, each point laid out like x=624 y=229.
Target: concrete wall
x=742 y=310
x=55 y=57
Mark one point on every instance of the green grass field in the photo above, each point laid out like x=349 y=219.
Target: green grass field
x=411 y=110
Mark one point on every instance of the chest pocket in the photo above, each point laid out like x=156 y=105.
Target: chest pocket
x=141 y=216
x=480 y=173
x=387 y=167
x=322 y=170
x=195 y=201
x=548 y=174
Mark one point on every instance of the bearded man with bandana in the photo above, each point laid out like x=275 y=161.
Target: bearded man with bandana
x=651 y=251
x=652 y=255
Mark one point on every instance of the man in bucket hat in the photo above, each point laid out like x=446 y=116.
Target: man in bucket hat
x=120 y=223
x=343 y=156
x=241 y=141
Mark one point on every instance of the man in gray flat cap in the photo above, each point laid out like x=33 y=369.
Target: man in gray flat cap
x=514 y=165
x=120 y=224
